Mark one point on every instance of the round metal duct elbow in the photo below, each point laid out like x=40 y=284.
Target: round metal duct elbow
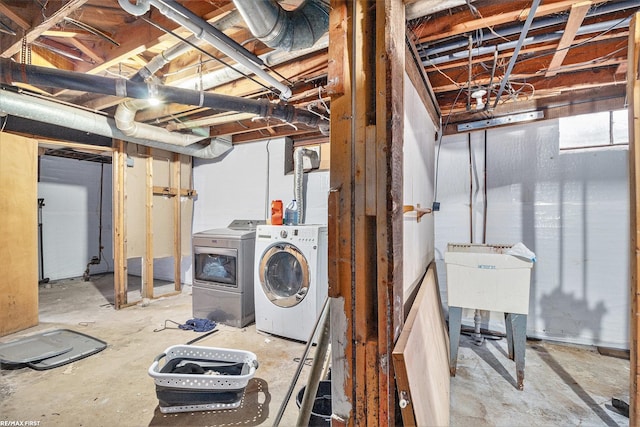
x=286 y=30
x=139 y=8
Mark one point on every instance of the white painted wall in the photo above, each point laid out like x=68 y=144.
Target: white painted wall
x=71 y=216
x=418 y=173
x=242 y=184
x=570 y=208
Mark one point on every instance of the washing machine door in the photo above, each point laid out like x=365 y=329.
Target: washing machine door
x=284 y=275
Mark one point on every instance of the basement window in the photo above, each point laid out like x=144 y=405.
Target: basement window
x=596 y=130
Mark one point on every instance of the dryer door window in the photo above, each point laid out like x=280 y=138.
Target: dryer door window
x=284 y=275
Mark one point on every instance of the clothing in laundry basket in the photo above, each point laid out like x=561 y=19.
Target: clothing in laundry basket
x=198 y=325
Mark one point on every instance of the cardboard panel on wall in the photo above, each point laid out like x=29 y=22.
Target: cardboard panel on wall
x=18 y=231
x=186 y=204
x=162 y=226
x=135 y=191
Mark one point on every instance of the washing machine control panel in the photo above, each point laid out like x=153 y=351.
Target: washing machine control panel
x=283 y=234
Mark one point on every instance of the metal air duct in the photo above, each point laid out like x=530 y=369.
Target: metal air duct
x=205 y=31
x=285 y=29
x=42 y=76
x=53 y=113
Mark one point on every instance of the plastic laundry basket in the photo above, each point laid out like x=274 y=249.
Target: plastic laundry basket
x=228 y=372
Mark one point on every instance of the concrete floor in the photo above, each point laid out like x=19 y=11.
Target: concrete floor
x=564 y=385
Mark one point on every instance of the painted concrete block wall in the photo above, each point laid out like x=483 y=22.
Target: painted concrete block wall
x=571 y=208
x=418 y=173
x=71 y=216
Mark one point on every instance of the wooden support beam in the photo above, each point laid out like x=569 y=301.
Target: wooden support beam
x=56 y=13
x=173 y=191
x=119 y=232
x=365 y=213
x=340 y=219
x=578 y=12
x=633 y=95
x=147 y=265
x=418 y=77
x=389 y=91
x=493 y=14
x=177 y=223
x=17 y=19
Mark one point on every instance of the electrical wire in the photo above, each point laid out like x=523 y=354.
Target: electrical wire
x=226 y=64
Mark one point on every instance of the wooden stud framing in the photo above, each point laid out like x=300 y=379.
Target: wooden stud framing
x=177 y=221
x=365 y=206
x=119 y=231
x=389 y=90
x=633 y=94
x=339 y=212
x=147 y=267
x=418 y=76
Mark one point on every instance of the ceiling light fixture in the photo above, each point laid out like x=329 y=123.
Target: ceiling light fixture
x=477 y=95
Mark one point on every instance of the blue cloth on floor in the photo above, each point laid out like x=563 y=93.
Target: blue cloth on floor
x=198 y=325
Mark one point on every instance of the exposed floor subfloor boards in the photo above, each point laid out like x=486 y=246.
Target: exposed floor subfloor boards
x=564 y=385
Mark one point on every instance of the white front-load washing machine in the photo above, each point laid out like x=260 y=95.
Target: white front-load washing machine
x=290 y=278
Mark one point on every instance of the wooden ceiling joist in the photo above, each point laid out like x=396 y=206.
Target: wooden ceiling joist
x=17 y=19
x=495 y=14
x=56 y=13
x=577 y=15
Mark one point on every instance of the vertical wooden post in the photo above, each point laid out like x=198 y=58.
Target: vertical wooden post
x=633 y=96
x=147 y=267
x=389 y=91
x=365 y=205
x=119 y=244
x=340 y=211
x=177 y=222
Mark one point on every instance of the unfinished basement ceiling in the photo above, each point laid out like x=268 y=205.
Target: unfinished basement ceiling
x=571 y=53
x=566 y=53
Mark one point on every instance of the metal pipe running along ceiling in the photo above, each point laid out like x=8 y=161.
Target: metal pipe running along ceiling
x=11 y=72
x=202 y=29
x=53 y=113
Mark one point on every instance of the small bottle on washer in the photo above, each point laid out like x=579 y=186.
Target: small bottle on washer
x=291 y=213
x=276 y=212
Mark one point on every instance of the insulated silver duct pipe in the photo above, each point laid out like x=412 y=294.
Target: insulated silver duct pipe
x=205 y=31
x=124 y=118
x=281 y=29
x=41 y=76
x=298 y=182
x=53 y=113
x=126 y=112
